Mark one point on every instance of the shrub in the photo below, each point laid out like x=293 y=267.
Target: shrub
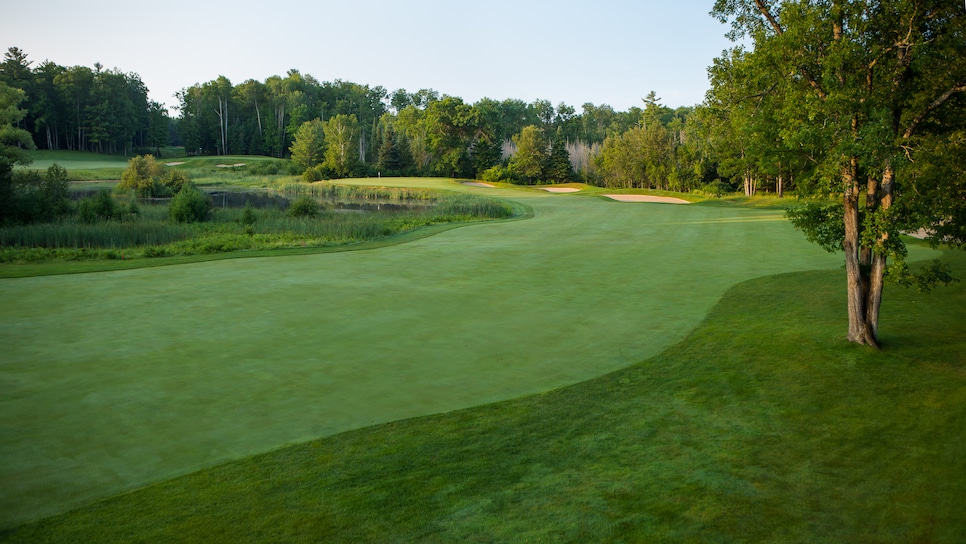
x=148 y=177
x=313 y=173
x=189 y=205
x=266 y=168
x=100 y=207
x=55 y=189
x=496 y=174
x=304 y=206
x=718 y=187
x=248 y=217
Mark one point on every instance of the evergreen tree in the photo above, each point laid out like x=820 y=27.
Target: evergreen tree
x=558 y=168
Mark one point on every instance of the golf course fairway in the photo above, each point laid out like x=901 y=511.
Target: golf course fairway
x=113 y=380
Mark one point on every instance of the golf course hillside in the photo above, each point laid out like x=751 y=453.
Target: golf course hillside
x=575 y=375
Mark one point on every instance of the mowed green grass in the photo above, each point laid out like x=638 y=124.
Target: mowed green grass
x=763 y=425
x=87 y=166
x=115 y=380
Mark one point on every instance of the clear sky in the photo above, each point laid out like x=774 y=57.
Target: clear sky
x=601 y=51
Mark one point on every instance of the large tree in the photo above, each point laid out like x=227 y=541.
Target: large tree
x=13 y=141
x=308 y=149
x=872 y=86
x=531 y=155
x=341 y=153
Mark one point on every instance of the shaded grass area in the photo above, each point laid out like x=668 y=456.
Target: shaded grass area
x=763 y=425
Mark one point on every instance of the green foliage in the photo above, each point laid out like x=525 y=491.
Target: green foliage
x=496 y=174
x=100 y=207
x=557 y=168
x=26 y=196
x=393 y=160
x=531 y=155
x=308 y=149
x=303 y=206
x=13 y=140
x=341 y=152
x=152 y=232
x=718 y=188
x=56 y=190
x=268 y=168
x=924 y=278
x=248 y=217
x=319 y=172
x=822 y=224
x=189 y=205
x=148 y=177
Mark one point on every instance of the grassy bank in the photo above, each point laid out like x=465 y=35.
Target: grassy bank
x=762 y=425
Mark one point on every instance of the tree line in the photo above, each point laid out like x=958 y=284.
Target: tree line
x=84 y=109
x=388 y=133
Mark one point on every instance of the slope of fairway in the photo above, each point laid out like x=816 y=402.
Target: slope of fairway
x=114 y=380
x=763 y=425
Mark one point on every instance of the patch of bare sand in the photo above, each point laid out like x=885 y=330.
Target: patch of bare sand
x=477 y=184
x=647 y=198
x=921 y=233
x=560 y=189
x=230 y=165
x=173 y=163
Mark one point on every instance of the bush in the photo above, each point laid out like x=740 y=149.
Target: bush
x=189 y=205
x=304 y=206
x=718 y=187
x=496 y=174
x=313 y=173
x=26 y=196
x=148 y=177
x=100 y=207
x=266 y=168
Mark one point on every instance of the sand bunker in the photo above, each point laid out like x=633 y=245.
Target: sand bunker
x=647 y=198
x=921 y=233
x=477 y=184
x=173 y=163
x=230 y=165
x=560 y=189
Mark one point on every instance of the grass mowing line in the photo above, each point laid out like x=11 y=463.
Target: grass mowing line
x=734 y=220
x=189 y=366
x=762 y=425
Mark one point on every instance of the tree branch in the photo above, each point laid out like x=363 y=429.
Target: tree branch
x=771 y=18
x=763 y=9
x=943 y=98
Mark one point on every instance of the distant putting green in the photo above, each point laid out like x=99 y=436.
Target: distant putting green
x=114 y=380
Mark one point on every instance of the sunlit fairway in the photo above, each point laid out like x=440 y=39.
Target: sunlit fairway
x=115 y=380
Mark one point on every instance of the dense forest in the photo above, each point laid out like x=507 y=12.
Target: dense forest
x=85 y=109
x=375 y=131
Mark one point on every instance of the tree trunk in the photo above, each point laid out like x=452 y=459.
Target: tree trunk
x=877 y=273
x=860 y=330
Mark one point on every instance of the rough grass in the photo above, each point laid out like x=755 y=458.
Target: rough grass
x=762 y=425
x=152 y=234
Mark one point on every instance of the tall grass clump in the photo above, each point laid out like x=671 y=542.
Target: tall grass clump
x=322 y=214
